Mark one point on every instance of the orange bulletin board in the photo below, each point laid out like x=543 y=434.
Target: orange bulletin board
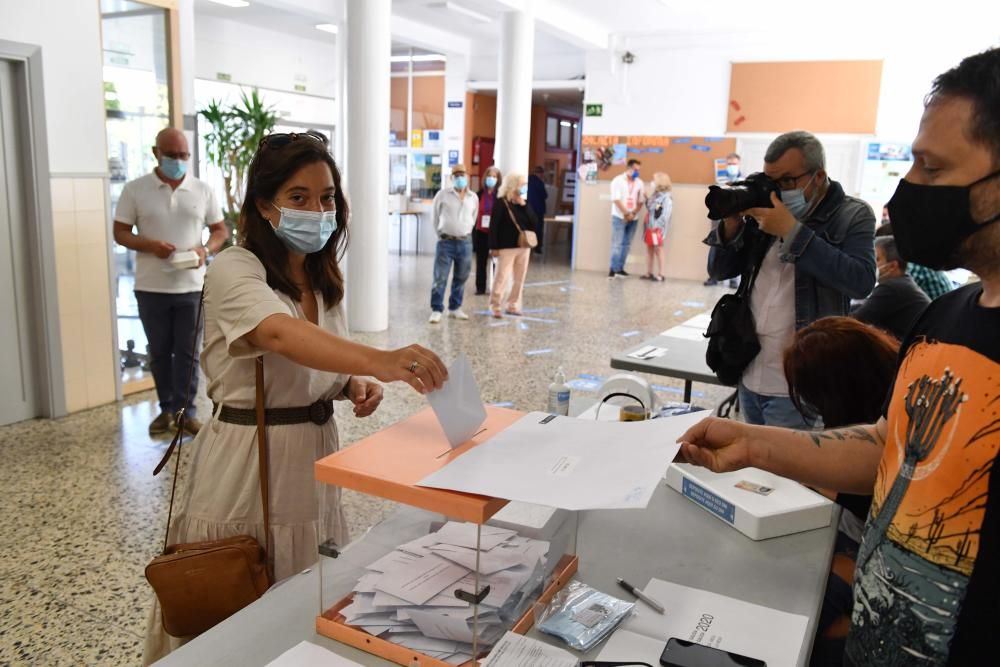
x=684 y=159
x=822 y=96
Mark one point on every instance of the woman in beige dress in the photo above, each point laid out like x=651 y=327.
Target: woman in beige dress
x=511 y=216
x=279 y=295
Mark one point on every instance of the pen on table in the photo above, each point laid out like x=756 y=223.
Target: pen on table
x=642 y=596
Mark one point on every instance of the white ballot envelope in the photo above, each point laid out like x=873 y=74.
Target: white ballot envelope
x=458 y=404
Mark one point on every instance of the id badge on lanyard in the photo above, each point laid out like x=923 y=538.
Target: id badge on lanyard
x=485 y=222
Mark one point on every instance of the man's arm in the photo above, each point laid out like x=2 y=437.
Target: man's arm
x=877 y=309
x=218 y=233
x=844 y=459
x=125 y=236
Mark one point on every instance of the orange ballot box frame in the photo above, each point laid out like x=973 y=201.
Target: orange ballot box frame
x=389 y=464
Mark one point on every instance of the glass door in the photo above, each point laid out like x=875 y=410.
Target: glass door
x=137 y=106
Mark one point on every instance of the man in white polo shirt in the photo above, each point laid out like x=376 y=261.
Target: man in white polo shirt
x=455 y=210
x=627 y=196
x=169 y=208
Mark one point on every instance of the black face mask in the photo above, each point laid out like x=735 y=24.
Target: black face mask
x=931 y=221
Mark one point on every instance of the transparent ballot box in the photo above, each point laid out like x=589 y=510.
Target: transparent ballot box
x=445 y=575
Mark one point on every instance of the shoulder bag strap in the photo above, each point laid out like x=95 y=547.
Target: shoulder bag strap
x=761 y=249
x=264 y=466
x=179 y=435
x=513 y=218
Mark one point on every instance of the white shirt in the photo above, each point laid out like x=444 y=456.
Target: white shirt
x=773 y=304
x=631 y=194
x=454 y=215
x=175 y=216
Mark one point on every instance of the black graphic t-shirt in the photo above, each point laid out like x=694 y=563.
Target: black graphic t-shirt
x=927 y=584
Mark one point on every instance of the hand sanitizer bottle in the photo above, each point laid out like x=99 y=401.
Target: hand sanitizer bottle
x=559 y=395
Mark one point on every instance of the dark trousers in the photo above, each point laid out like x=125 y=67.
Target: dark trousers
x=481 y=246
x=169 y=321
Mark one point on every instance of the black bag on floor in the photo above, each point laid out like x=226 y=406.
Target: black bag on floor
x=732 y=333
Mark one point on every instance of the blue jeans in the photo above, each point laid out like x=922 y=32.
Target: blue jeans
x=450 y=252
x=773 y=411
x=621 y=240
x=169 y=321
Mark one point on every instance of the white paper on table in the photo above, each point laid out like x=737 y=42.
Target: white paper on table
x=515 y=650
x=421 y=580
x=464 y=535
x=741 y=627
x=458 y=404
x=571 y=463
x=419 y=642
x=699 y=321
x=685 y=333
x=392 y=561
x=489 y=561
x=625 y=646
x=648 y=352
x=307 y=654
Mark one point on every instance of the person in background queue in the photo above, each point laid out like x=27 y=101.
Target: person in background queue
x=511 y=216
x=455 y=210
x=481 y=232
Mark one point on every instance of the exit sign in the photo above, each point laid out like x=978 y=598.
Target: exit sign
x=593 y=110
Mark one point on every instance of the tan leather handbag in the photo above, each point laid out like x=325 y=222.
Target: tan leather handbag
x=200 y=584
x=525 y=239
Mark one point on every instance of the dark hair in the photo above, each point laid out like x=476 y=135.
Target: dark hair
x=885 y=229
x=271 y=168
x=632 y=162
x=890 y=250
x=733 y=155
x=841 y=368
x=977 y=79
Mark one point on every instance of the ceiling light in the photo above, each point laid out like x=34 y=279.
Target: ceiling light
x=231 y=3
x=455 y=7
x=327 y=27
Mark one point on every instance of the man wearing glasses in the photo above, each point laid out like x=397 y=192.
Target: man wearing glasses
x=816 y=252
x=160 y=214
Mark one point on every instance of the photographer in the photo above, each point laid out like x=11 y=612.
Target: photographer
x=815 y=247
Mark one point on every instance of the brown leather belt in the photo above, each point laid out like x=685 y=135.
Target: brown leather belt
x=318 y=413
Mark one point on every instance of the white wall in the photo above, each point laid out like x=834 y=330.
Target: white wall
x=679 y=85
x=69 y=33
x=265 y=58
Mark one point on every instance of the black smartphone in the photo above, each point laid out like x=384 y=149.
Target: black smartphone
x=681 y=653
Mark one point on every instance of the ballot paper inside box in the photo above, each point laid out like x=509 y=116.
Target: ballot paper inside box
x=436 y=581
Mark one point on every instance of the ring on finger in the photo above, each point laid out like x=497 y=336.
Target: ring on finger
x=414 y=366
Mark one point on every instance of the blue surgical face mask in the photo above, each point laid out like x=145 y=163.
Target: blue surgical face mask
x=635 y=173
x=491 y=182
x=733 y=170
x=523 y=191
x=305 y=231
x=795 y=201
x=461 y=182
x=173 y=169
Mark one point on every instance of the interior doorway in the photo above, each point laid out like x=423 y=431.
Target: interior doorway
x=20 y=364
x=137 y=99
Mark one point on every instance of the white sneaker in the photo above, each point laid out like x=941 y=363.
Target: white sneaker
x=435 y=317
x=458 y=314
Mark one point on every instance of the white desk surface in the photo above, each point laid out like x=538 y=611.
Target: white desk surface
x=672 y=539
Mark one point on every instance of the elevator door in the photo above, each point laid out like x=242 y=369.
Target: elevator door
x=18 y=358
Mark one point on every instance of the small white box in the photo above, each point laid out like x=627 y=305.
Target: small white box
x=788 y=508
x=185 y=259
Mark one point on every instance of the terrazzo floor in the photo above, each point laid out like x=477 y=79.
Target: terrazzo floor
x=82 y=513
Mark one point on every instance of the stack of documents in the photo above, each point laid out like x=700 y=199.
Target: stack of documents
x=407 y=597
x=648 y=352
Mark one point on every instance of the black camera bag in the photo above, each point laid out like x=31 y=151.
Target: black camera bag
x=732 y=333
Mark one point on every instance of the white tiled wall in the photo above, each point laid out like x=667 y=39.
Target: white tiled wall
x=86 y=314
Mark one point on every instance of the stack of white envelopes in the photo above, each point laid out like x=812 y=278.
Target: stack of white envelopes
x=408 y=596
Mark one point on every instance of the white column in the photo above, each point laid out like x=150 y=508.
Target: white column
x=367 y=171
x=517 y=47
x=186 y=42
x=456 y=76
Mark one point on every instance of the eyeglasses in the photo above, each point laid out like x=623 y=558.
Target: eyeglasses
x=282 y=139
x=788 y=182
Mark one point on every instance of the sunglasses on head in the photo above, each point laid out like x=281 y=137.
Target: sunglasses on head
x=282 y=139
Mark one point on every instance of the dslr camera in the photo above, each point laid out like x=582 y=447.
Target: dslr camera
x=752 y=192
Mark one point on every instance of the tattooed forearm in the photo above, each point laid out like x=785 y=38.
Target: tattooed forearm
x=841 y=434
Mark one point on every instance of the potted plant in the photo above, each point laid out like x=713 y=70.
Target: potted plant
x=236 y=133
